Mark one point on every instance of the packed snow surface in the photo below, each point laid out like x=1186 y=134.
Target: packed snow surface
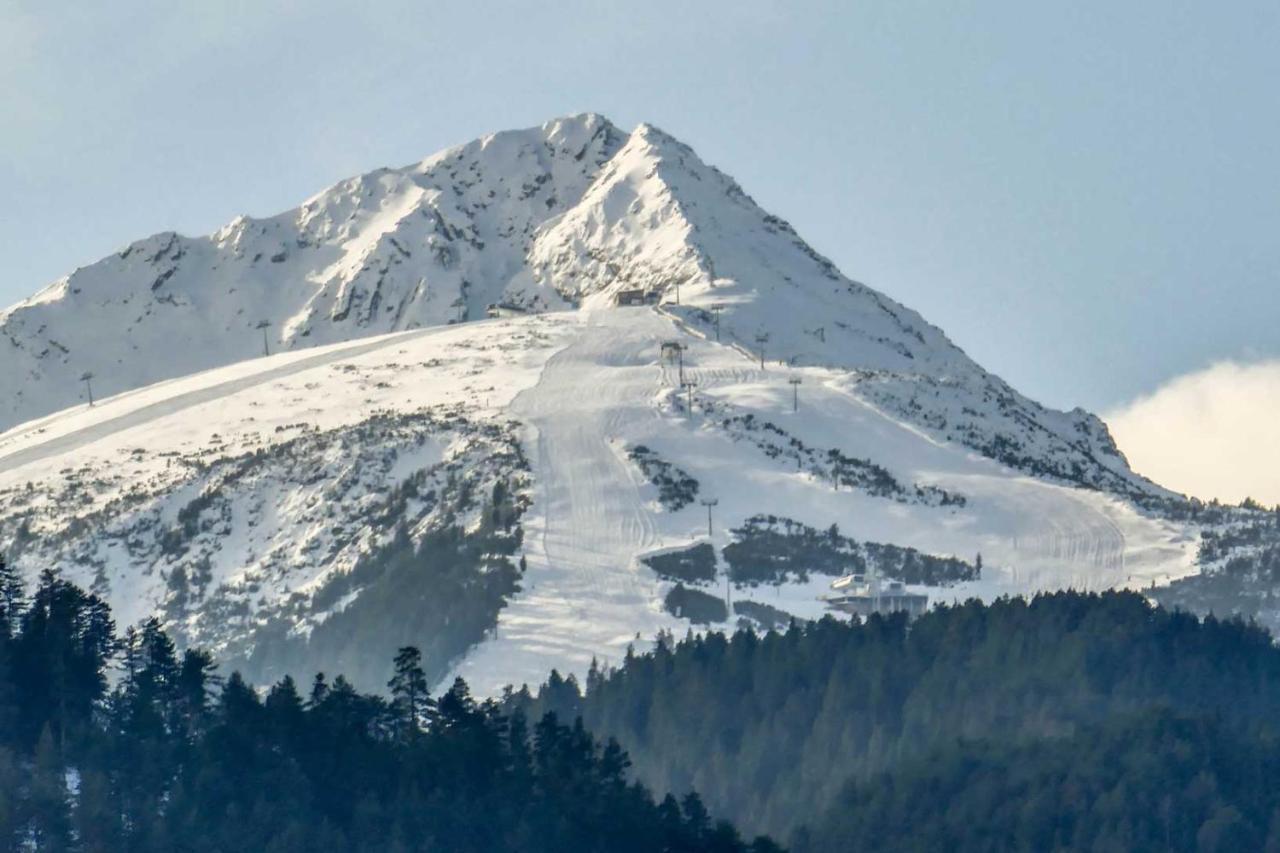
x=280 y=402
x=581 y=388
x=570 y=213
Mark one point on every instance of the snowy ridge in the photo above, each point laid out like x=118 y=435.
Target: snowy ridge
x=262 y=485
x=572 y=211
x=258 y=502
x=659 y=218
x=425 y=245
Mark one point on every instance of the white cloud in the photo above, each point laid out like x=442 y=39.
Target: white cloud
x=1212 y=433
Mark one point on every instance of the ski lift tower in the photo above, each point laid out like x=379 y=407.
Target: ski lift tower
x=762 y=338
x=264 y=325
x=674 y=350
x=716 y=309
x=709 y=503
x=688 y=386
x=795 y=381
x=87 y=379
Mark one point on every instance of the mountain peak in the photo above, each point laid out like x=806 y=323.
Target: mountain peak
x=573 y=135
x=572 y=211
x=657 y=137
x=261 y=502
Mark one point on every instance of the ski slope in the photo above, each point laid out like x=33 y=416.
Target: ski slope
x=581 y=389
x=137 y=409
x=246 y=500
x=563 y=215
x=586 y=594
x=113 y=476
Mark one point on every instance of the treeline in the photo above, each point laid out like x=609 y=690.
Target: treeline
x=1151 y=781
x=768 y=549
x=676 y=489
x=1239 y=569
x=441 y=594
x=173 y=758
x=1069 y=721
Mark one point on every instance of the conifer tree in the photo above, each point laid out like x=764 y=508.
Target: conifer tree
x=11 y=779
x=409 y=692
x=194 y=691
x=319 y=690
x=12 y=599
x=95 y=816
x=162 y=767
x=49 y=807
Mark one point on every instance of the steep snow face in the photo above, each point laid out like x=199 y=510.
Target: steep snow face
x=659 y=219
x=429 y=244
x=552 y=218
x=238 y=499
x=249 y=505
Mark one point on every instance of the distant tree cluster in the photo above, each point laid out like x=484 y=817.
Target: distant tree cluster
x=698 y=607
x=676 y=488
x=833 y=465
x=173 y=758
x=769 y=549
x=441 y=594
x=1069 y=721
x=1150 y=781
x=1239 y=559
x=691 y=565
x=761 y=615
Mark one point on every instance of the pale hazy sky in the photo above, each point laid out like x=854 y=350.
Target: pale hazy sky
x=1085 y=196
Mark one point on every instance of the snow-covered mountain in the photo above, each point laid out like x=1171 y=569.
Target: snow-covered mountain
x=278 y=507
x=565 y=214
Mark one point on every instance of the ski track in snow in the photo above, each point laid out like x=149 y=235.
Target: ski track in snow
x=146 y=413
x=587 y=386
x=569 y=213
x=585 y=595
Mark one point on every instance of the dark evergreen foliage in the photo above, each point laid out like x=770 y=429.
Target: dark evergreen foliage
x=959 y=729
x=441 y=596
x=690 y=565
x=695 y=605
x=832 y=464
x=769 y=549
x=763 y=615
x=676 y=489
x=1154 y=781
x=171 y=760
x=1240 y=568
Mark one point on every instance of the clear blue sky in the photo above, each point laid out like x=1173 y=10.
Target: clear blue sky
x=1085 y=196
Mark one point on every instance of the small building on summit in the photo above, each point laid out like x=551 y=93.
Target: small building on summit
x=505 y=309
x=636 y=297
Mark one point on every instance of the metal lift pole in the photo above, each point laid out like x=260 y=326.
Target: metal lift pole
x=709 y=503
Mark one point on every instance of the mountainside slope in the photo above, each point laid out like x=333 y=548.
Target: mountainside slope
x=658 y=218
x=568 y=213
x=545 y=488
x=425 y=245
x=289 y=509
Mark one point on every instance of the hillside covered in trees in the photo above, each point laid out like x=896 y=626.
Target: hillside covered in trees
x=1067 y=722
x=174 y=758
x=1070 y=721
